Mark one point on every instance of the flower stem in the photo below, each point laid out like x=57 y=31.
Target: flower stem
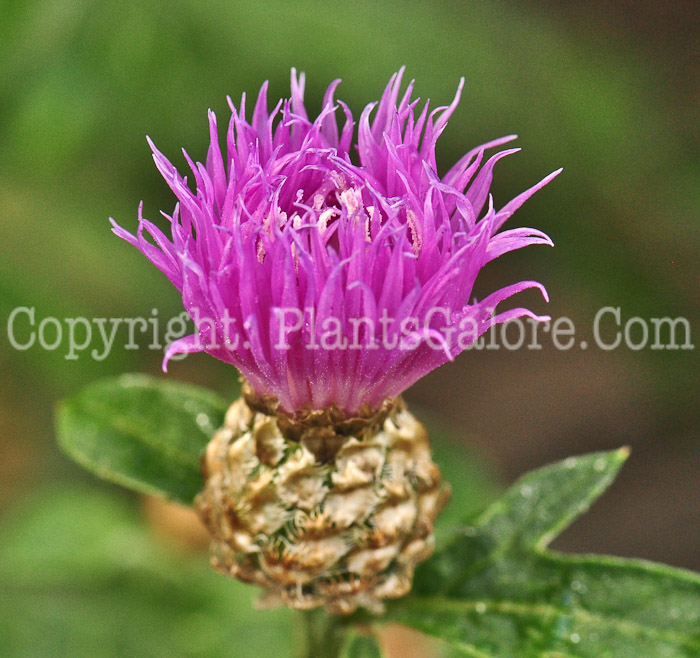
x=321 y=635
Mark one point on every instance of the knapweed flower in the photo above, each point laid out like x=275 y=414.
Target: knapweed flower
x=328 y=272
x=333 y=275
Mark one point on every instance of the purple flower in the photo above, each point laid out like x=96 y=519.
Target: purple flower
x=329 y=272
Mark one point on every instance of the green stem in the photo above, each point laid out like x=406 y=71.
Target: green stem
x=321 y=635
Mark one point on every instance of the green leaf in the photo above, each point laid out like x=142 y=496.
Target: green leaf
x=358 y=645
x=496 y=591
x=143 y=433
x=82 y=576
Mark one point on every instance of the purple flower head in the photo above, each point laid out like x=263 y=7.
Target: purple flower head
x=332 y=272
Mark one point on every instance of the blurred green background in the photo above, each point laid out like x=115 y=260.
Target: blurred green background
x=609 y=92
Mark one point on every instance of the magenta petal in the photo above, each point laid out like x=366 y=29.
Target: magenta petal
x=186 y=345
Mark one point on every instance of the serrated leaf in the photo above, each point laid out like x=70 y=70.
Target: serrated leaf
x=143 y=433
x=496 y=591
x=358 y=645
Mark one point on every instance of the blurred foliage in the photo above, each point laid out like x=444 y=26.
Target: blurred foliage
x=83 y=577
